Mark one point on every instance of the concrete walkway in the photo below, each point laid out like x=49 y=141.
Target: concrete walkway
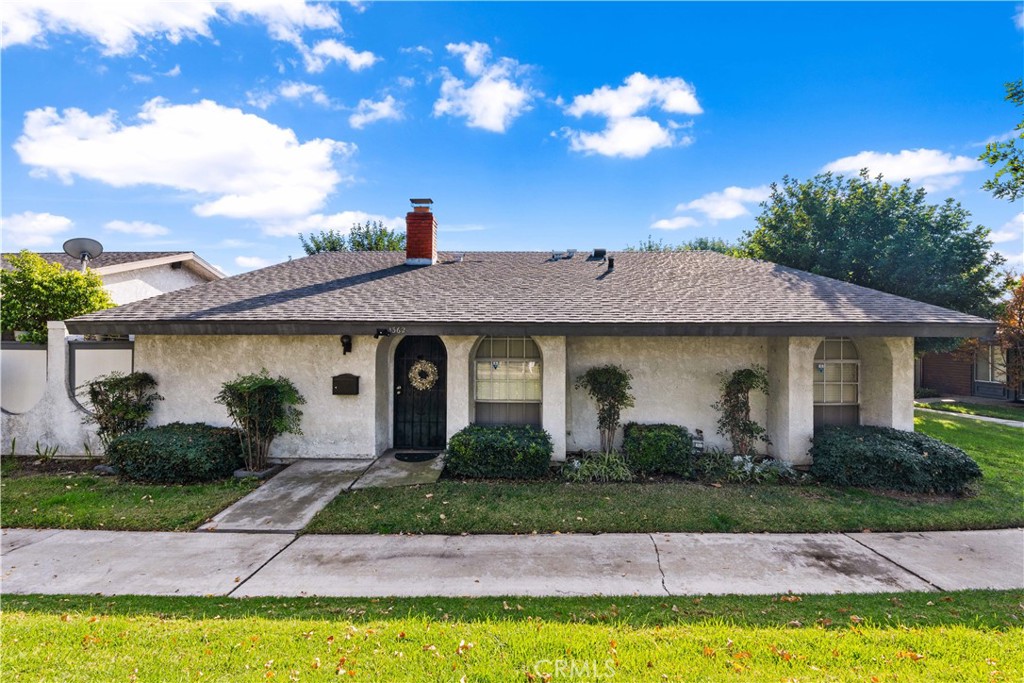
x=982 y=418
x=239 y=565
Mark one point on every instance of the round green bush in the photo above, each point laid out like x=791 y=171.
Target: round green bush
x=658 y=449
x=884 y=458
x=177 y=453
x=508 y=452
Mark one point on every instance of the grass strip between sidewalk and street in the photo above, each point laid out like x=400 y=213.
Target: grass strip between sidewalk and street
x=966 y=635
x=506 y=507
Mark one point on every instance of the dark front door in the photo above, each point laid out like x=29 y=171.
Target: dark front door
x=420 y=381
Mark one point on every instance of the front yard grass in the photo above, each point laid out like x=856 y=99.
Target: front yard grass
x=502 y=507
x=78 y=500
x=1004 y=412
x=968 y=635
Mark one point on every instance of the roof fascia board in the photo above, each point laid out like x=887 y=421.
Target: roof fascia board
x=187 y=258
x=861 y=329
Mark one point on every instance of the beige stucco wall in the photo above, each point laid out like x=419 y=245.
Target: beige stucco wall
x=674 y=380
x=791 y=403
x=143 y=283
x=190 y=370
x=887 y=381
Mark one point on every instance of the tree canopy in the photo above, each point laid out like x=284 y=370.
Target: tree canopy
x=888 y=237
x=1008 y=155
x=369 y=236
x=695 y=244
x=35 y=291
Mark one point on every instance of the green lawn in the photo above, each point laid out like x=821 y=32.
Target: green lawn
x=86 y=501
x=451 y=507
x=969 y=636
x=1006 y=412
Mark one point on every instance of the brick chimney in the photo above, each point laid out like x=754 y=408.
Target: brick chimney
x=420 y=234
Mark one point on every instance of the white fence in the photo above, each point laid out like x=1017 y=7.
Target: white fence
x=37 y=392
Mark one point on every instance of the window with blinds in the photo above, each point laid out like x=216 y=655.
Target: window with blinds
x=507 y=381
x=836 y=383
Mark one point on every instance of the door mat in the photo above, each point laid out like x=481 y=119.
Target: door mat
x=415 y=456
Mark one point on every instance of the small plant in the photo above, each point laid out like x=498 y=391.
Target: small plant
x=658 y=449
x=734 y=407
x=120 y=403
x=262 y=408
x=506 y=451
x=46 y=452
x=14 y=446
x=713 y=465
x=177 y=453
x=925 y=392
x=599 y=467
x=609 y=385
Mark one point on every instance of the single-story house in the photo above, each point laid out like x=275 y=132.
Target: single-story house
x=133 y=275
x=402 y=350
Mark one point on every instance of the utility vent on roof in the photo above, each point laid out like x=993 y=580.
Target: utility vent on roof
x=561 y=255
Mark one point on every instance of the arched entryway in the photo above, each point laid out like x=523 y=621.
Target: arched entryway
x=420 y=382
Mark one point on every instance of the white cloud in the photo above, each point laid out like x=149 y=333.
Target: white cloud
x=140 y=228
x=929 y=168
x=173 y=72
x=252 y=262
x=626 y=133
x=140 y=78
x=331 y=50
x=31 y=230
x=342 y=222
x=369 y=111
x=732 y=202
x=1018 y=17
x=1013 y=229
x=675 y=223
x=417 y=50
x=631 y=138
x=261 y=99
x=639 y=92
x=498 y=95
x=406 y=81
x=296 y=91
x=241 y=165
x=119 y=25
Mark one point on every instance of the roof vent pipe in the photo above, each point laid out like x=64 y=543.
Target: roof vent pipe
x=611 y=263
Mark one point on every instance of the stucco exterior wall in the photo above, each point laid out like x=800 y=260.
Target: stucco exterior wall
x=674 y=380
x=791 y=403
x=22 y=377
x=887 y=384
x=190 y=370
x=143 y=283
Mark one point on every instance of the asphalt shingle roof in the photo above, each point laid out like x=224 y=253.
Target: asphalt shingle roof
x=653 y=293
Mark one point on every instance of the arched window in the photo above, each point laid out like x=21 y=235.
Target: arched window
x=836 y=383
x=507 y=386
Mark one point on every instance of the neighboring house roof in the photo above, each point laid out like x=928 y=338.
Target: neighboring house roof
x=110 y=262
x=681 y=293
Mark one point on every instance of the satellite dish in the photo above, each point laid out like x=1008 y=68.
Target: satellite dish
x=83 y=249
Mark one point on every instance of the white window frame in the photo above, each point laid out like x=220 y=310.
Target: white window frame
x=820 y=368
x=491 y=359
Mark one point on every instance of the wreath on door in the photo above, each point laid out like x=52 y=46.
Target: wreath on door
x=423 y=375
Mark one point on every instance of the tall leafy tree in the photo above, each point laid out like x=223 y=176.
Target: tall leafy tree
x=887 y=237
x=369 y=236
x=696 y=244
x=1008 y=155
x=35 y=291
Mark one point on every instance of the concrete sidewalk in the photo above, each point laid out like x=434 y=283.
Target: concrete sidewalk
x=241 y=565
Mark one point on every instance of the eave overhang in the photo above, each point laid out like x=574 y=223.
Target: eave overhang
x=609 y=329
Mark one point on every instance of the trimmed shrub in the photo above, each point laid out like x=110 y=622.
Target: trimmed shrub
x=713 y=465
x=601 y=467
x=925 y=392
x=120 y=403
x=177 y=453
x=511 y=452
x=658 y=449
x=884 y=458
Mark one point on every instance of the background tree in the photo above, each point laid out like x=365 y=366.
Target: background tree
x=696 y=244
x=35 y=291
x=1008 y=182
x=369 y=236
x=883 y=236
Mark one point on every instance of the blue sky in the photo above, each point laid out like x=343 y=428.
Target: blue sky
x=227 y=128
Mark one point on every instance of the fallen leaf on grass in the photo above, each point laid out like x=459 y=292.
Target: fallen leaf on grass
x=909 y=654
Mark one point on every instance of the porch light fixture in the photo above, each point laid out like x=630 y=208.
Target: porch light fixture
x=346 y=344
x=382 y=332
